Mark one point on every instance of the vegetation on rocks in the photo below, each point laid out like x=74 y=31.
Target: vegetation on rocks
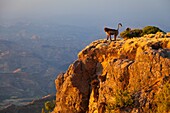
x=122 y=99
x=48 y=106
x=130 y=33
x=162 y=100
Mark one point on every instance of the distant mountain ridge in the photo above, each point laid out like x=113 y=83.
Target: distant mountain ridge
x=31 y=56
x=20 y=71
x=33 y=107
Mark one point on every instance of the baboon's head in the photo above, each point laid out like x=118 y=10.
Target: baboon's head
x=120 y=25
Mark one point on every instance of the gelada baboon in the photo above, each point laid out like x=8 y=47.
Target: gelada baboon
x=110 y=32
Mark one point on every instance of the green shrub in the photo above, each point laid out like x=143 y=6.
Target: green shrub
x=130 y=33
x=163 y=99
x=151 y=30
x=122 y=99
x=49 y=106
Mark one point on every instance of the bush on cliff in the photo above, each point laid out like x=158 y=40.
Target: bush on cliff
x=122 y=99
x=130 y=33
x=163 y=99
x=48 y=106
x=151 y=30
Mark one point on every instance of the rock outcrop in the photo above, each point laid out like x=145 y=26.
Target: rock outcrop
x=125 y=76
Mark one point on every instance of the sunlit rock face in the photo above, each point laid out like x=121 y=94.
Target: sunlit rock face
x=124 y=76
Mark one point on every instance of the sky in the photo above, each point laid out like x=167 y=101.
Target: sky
x=133 y=13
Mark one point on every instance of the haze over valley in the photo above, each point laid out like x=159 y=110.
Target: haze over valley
x=31 y=56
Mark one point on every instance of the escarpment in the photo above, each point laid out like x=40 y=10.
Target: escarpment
x=125 y=76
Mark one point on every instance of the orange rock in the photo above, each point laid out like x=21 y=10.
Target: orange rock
x=134 y=71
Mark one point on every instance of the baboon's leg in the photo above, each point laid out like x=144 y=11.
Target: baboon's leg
x=110 y=38
x=114 y=37
x=107 y=37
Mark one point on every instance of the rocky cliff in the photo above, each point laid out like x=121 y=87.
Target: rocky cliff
x=120 y=76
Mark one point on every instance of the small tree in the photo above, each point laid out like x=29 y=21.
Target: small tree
x=49 y=106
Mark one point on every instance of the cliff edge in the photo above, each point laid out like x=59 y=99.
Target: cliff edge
x=125 y=76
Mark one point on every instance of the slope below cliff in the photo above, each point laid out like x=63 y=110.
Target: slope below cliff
x=33 y=107
x=120 y=76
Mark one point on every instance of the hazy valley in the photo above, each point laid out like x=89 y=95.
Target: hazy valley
x=31 y=56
